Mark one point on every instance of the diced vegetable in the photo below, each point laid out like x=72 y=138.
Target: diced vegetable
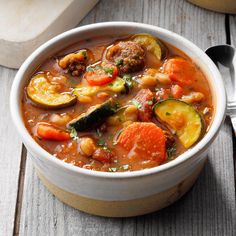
x=145 y=140
x=49 y=132
x=150 y=43
x=94 y=116
x=117 y=86
x=180 y=70
x=177 y=91
x=102 y=155
x=182 y=118
x=47 y=95
x=101 y=75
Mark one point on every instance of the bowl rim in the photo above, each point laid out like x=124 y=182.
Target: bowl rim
x=200 y=147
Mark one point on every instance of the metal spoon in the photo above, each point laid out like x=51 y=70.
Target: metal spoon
x=224 y=56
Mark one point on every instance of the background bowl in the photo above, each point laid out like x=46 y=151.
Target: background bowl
x=128 y=193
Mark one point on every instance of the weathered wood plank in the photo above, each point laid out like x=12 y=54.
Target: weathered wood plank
x=208 y=209
x=10 y=147
x=232 y=24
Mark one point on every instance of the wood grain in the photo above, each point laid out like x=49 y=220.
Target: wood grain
x=232 y=23
x=209 y=208
x=10 y=157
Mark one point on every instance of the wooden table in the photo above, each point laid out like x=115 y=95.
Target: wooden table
x=27 y=208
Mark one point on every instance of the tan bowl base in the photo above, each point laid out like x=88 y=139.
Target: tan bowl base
x=123 y=208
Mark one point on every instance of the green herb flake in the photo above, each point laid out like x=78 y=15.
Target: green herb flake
x=168 y=113
x=128 y=81
x=101 y=142
x=137 y=104
x=84 y=53
x=150 y=102
x=171 y=151
x=112 y=169
x=154 y=100
x=119 y=62
x=73 y=133
x=125 y=167
x=108 y=70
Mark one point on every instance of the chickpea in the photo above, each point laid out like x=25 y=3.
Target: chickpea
x=131 y=113
x=113 y=120
x=148 y=80
x=193 y=97
x=102 y=95
x=84 y=99
x=163 y=78
x=60 y=120
x=87 y=146
x=62 y=80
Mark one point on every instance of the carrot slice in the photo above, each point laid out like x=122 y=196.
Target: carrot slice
x=101 y=75
x=49 y=132
x=180 y=70
x=144 y=139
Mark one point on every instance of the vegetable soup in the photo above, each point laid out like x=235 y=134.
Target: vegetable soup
x=117 y=104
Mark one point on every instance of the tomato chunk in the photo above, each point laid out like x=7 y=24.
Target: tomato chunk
x=180 y=70
x=101 y=75
x=145 y=139
x=49 y=132
x=102 y=155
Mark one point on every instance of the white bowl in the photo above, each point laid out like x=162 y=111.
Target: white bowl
x=127 y=193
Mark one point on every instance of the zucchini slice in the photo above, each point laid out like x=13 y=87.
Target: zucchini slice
x=94 y=116
x=182 y=118
x=45 y=94
x=151 y=44
x=116 y=86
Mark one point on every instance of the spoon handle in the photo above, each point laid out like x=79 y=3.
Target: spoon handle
x=233 y=120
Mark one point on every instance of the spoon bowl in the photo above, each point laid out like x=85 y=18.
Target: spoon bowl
x=224 y=57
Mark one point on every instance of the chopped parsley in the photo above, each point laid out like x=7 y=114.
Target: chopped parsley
x=137 y=104
x=92 y=69
x=112 y=169
x=119 y=62
x=171 y=151
x=125 y=167
x=73 y=133
x=84 y=53
x=101 y=142
x=150 y=102
x=108 y=70
x=168 y=113
x=128 y=81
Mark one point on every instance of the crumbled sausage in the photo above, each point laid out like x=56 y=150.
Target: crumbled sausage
x=75 y=63
x=127 y=55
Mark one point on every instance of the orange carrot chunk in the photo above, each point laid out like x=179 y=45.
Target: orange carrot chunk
x=144 y=139
x=180 y=70
x=49 y=132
